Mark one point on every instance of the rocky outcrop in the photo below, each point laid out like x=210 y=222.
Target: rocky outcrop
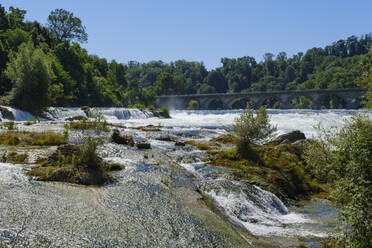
x=169 y=138
x=79 y=176
x=121 y=139
x=289 y=138
x=63 y=152
x=7 y=114
x=76 y=118
x=179 y=143
x=143 y=145
x=87 y=110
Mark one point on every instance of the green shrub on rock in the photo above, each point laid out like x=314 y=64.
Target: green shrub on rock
x=251 y=129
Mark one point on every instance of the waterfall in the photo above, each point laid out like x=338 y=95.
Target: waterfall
x=113 y=114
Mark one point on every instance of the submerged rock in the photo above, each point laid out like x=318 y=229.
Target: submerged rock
x=7 y=114
x=143 y=145
x=289 y=138
x=121 y=139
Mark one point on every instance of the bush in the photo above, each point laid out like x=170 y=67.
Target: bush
x=87 y=157
x=252 y=130
x=193 y=105
x=13 y=138
x=165 y=112
x=343 y=158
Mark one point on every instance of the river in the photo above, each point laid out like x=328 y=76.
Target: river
x=155 y=201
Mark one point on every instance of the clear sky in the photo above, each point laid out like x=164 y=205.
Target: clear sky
x=207 y=30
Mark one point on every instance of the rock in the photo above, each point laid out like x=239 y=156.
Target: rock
x=143 y=145
x=64 y=151
x=289 y=138
x=86 y=110
x=123 y=140
x=179 y=143
x=79 y=176
x=76 y=118
x=168 y=138
x=6 y=113
x=299 y=143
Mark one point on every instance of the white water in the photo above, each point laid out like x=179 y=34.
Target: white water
x=259 y=211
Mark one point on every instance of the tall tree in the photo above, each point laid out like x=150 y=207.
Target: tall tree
x=30 y=72
x=66 y=27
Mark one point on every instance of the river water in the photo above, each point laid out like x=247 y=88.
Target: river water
x=156 y=201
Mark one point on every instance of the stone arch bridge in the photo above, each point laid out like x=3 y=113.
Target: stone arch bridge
x=350 y=97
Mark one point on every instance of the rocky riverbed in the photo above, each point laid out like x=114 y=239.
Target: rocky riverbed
x=166 y=196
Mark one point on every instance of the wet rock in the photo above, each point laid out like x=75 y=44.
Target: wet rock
x=179 y=143
x=168 y=138
x=76 y=118
x=121 y=139
x=87 y=110
x=289 y=138
x=6 y=113
x=143 y=145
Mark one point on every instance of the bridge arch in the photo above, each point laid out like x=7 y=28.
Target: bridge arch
x=214 y=104
x=301 y=101
x=333 y=101
x=239 y=103
x=270 y=101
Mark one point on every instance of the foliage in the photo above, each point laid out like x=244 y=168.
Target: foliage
x=16 y=138
x=10 y=125
x=66 y=27
x=13 y=157
x=343 y=159
x=366 y=79
x=98 y=124
x=251 y=129
x=165 y=112
x=88 y=157
x=193 y=105
x=30 y=72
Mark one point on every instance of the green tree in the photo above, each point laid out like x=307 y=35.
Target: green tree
x=66 y=27
x=30 y=72
x=343 y=159
x=366 y=79
x=250 y=129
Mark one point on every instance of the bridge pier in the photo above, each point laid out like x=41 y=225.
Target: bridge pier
x=285 y=102
x=316 y=101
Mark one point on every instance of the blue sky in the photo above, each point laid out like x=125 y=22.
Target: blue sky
x=207 y=30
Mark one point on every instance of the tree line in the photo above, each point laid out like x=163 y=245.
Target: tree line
x=45 y=65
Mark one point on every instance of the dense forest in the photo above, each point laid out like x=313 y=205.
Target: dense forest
x=45 y=65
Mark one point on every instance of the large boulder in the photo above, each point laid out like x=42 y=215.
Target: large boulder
x=121 y=139
x=289 y=138
x=7 y=114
